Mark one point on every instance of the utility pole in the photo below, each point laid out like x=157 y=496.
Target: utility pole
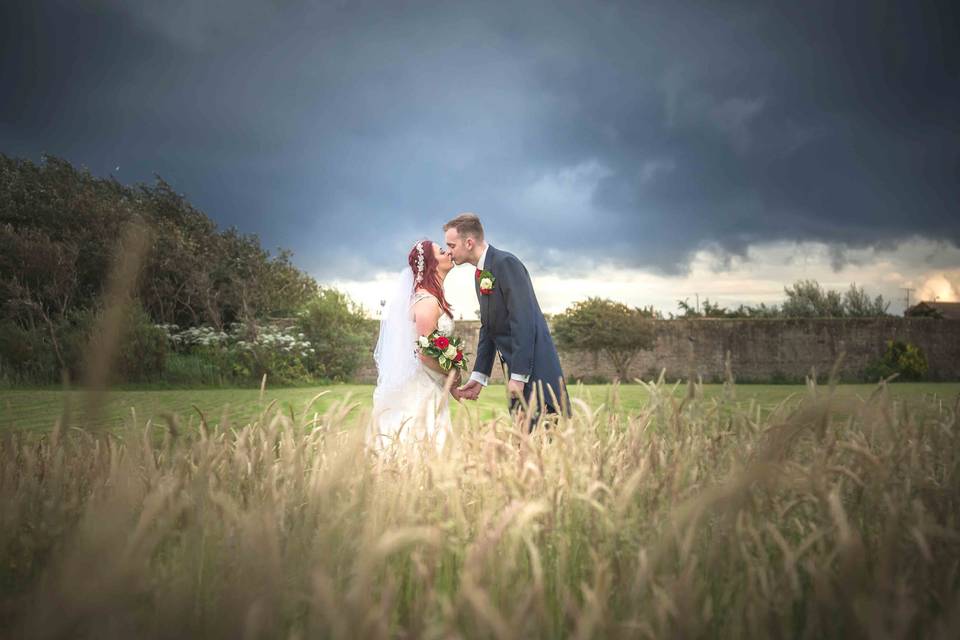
x=909 y=291
x=698 y=303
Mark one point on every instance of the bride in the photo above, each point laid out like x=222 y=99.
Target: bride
x=410 y=402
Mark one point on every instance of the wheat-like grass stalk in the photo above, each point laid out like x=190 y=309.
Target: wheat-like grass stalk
x=701 y=517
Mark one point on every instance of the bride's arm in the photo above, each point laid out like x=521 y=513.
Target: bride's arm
x=426 y=313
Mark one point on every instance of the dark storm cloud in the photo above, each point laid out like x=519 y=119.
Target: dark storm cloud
x=629 y=132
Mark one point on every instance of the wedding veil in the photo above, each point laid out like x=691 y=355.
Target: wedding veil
x=395 y=352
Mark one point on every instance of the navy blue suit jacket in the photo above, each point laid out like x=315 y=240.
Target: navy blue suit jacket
x=512 y=323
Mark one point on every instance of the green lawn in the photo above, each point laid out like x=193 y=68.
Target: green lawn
x=39 y=409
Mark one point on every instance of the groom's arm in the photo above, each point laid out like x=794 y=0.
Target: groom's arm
x=520 y=300
x=483 y=365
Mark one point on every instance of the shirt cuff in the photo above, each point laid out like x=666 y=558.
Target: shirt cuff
x=481 y=378
x=524 y=379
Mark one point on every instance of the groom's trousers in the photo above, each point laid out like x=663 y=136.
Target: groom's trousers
x=515 y=404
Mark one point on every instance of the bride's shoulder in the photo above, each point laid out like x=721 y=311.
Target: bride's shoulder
x=423 y=293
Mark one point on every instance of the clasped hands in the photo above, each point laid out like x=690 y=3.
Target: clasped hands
x=471 y=390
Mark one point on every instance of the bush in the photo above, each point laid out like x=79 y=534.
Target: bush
x=339 y=332
x=905 y=359
x=25 y=355
x=191 y=369
x=39 y=355
x=143 y=348
x=245 y=353
x=283 y=355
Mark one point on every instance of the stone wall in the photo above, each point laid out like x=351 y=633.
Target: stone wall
x=779 y=350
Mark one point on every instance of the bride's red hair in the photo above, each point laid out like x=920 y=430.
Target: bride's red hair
x=430 y=282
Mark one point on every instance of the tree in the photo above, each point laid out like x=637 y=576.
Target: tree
x=58 y=239
x=807 y=299
x=58 y=232
x=689 y=311
x=607 y=328
x=759 y=311
x=857 y=304
x=714 y=310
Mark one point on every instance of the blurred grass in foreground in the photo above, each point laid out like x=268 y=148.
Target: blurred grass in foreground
x=835 y=515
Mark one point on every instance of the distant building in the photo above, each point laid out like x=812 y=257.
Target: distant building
x=927 y=309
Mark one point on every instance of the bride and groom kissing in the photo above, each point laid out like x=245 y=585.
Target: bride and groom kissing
x=411 y=400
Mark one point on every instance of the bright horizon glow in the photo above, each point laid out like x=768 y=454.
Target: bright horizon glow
x=924 y=266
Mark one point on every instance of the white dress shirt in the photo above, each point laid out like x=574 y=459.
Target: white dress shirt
x=483 y=256
x=476 y=375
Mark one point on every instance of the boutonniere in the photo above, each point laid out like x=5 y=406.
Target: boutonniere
x=486 y=281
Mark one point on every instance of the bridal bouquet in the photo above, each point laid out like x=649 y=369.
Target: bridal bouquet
x=447 y=351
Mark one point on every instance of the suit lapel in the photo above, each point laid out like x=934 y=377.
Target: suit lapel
x=476 y=290
x=485 y=299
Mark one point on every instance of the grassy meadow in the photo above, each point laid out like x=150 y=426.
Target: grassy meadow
x=653 y=512
x=39 y=409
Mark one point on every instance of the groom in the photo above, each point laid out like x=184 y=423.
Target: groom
x=511 y=323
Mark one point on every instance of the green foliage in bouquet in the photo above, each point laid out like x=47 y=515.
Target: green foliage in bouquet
x=448 y=351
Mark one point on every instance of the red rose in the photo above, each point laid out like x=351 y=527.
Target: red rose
x=441 y=343
x=486 y=292
x=479 y=273
x=458 y=357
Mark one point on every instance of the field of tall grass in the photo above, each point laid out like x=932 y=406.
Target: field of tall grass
x=38 y=409
x=693 y=516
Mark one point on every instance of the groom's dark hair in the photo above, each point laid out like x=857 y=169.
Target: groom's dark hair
x=466 y=224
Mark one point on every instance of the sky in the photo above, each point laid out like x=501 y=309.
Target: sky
x=646 y=152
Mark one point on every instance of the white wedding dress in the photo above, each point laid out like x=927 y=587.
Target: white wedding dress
x=412 y=406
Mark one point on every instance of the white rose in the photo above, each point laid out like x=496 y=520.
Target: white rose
x=423 y=342
x=486 y=283
x=451 y=352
